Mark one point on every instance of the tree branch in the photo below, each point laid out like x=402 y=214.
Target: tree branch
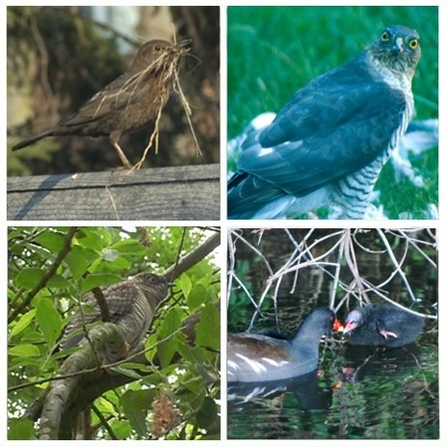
x=88 y=372
x=193 y=257
x=51 y=271
x=106 y=339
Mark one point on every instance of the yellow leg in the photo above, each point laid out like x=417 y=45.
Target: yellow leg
x=114 y=140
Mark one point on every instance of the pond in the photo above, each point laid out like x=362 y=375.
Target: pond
x=358 y=392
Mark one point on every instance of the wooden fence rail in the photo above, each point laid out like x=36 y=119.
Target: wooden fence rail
x=174 y=193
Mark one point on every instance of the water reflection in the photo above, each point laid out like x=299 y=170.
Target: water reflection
x=305 y=388
x=362 y=361
x=360 y=392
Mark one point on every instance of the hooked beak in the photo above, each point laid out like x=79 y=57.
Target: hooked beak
x=398 y=46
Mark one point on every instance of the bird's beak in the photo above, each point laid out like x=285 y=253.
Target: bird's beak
x=349 y=326
x=337 y=326
x=398 y=45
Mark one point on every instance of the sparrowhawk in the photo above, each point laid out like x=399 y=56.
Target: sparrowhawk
x=328 y=144
x=131 y=305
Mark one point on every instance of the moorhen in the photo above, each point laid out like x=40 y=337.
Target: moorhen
x=385 y=325
x=260 y=358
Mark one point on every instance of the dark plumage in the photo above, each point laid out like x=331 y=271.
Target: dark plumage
x=257 y=358
x=131 y=102
x=328 y=144
x=385 y=325
x=131 y=305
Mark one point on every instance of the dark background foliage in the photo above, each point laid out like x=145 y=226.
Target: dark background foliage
x=59 y=57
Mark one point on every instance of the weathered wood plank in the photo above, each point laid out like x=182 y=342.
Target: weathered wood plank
x=174 y=193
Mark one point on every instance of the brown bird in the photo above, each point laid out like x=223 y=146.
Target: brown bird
x=129 y=103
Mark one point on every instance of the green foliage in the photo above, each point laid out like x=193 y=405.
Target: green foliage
x=168 y=342
x=135 y=406
x=99 y=257
x=48 y=320
x=20 y=429
x=206 y=333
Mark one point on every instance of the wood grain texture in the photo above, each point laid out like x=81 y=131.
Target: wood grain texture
x=173 y=193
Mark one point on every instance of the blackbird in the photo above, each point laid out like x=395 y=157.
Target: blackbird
x=127 y=104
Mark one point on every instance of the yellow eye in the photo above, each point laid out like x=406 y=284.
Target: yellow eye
x=385 y=37
x=413 y=44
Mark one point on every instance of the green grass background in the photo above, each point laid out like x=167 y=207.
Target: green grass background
x=272 y=51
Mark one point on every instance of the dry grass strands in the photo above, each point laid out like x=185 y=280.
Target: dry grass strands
x=166 y=70
x=160 y=75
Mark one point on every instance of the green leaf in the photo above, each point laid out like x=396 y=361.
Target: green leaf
x=105 y=406
x=21 y=429
x=58 y=282
x=129 y=246
x=52 y=240
x=119 y=264
x=48 y=319
x=208 y=413
x=208 y=327
x=24 y=351
x=122 y=429
x=94 y=238
x=185 y=284
x=197 y=296
x=135 y=406
x=126 y=372
x=24 y=321
x=79 y=260
x=151 y=343
x=98 y=280
x=171 y=323
x=28 y=278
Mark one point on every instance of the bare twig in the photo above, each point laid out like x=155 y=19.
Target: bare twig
x=396 y=264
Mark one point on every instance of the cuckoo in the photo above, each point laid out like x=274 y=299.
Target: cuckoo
x=131 y=305
x=327 y=145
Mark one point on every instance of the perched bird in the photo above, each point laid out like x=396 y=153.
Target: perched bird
x=129 y=103
x=259 y=358
x=328 y=144
x=384 y=325
x=420 y=137
x=131 y=305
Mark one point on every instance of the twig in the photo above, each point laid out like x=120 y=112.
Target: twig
x=104 y=423
x=394 y=260
x=50 y=272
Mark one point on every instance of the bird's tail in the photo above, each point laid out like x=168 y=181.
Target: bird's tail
x=32 y=140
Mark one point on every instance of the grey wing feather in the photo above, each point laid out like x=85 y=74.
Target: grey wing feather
x=325 y=132
x=118 y=305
